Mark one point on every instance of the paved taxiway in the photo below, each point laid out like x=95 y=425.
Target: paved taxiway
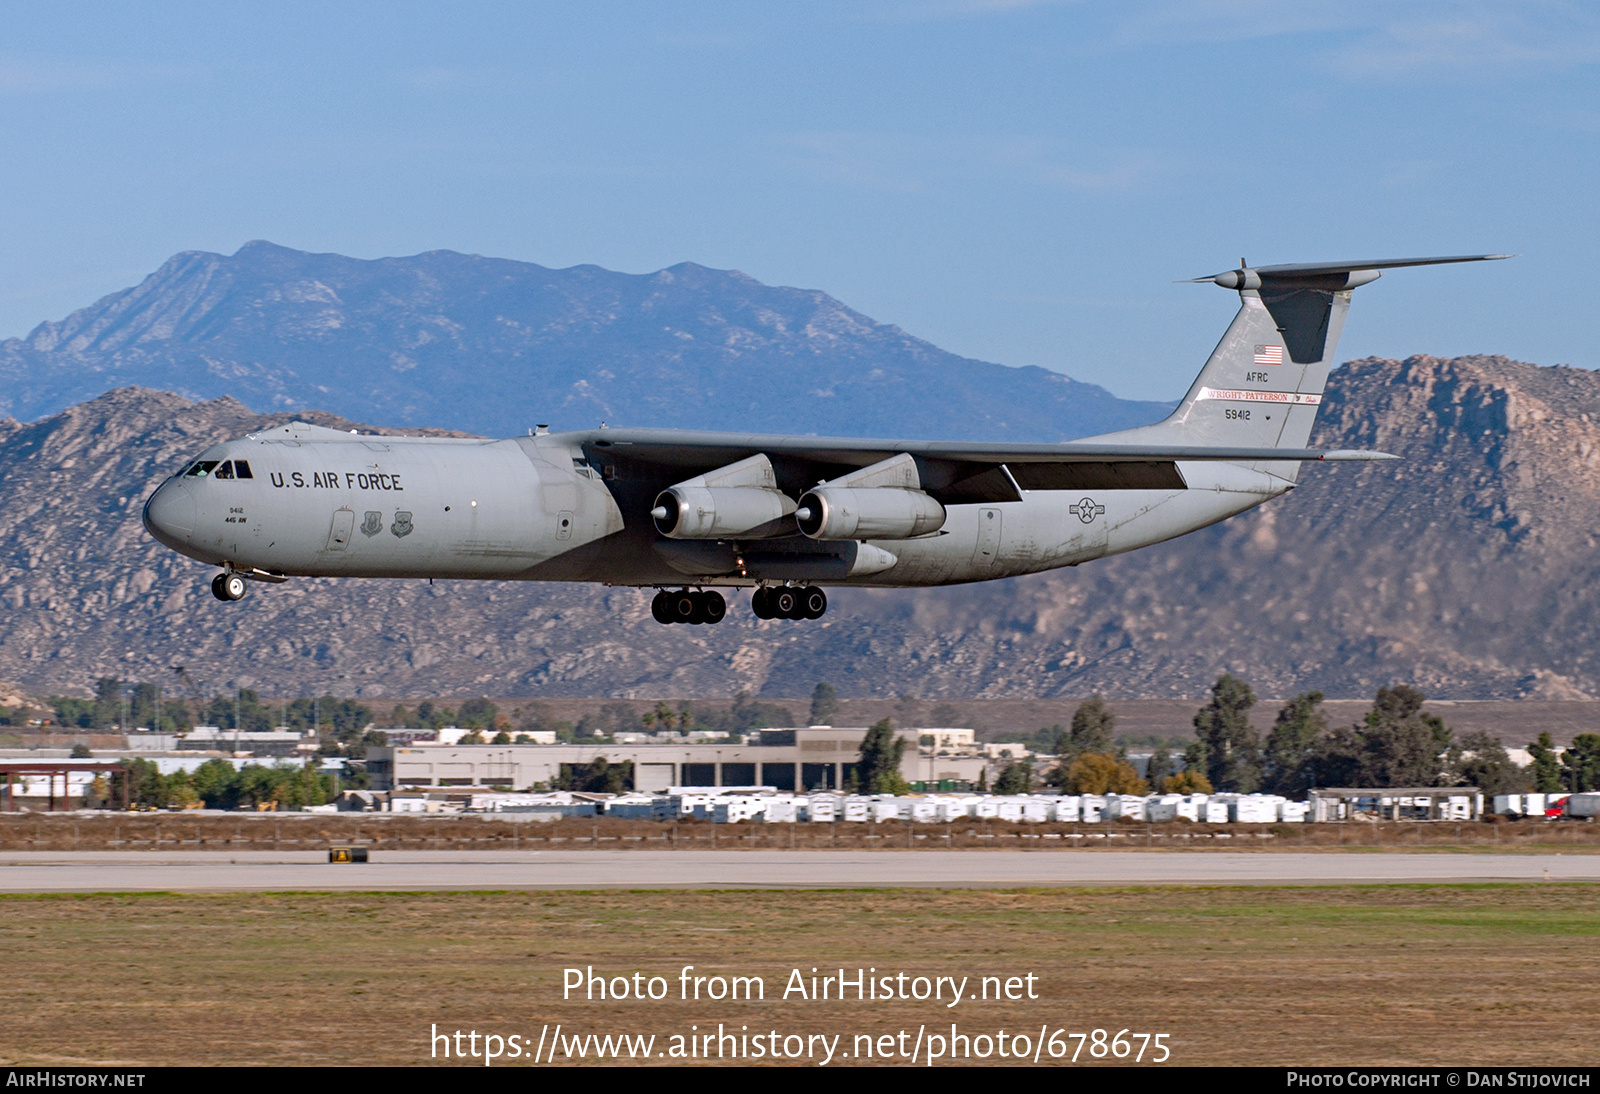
x=207 y=871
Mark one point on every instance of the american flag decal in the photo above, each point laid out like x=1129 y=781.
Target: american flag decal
x=1269 y=355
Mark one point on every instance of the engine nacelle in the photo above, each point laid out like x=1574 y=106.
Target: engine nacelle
x=882 y=512
x=740 y=500
x=698 y=512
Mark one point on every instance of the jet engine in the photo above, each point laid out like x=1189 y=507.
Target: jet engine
x=884 y=501
x=741 y=499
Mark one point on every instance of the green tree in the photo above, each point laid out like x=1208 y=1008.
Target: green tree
x=501 y=738
x=1233 y=751
x=1483 y=763
x=1339 y=758
x=73 y=713
x=1580 y=764
x=477 y=713
x=1160 y=767
x=1403 y=745
x=824 y=704
x=217 y=782
x=108 y=696
x=1015 y=778
x=599 y=776
x=879 y=769
x=1299 y=726
x=146 y=785
x=1546 y=766
x=1093 y=723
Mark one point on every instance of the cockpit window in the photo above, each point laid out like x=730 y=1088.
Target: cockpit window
x=225 y=471
x=241 y=469
x=201 y=469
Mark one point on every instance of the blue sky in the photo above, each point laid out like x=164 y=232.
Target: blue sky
x=1019 y=182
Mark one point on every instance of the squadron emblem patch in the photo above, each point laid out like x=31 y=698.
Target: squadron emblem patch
x=372 y=525
x=402 y=524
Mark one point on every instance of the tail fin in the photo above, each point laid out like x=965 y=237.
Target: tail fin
x=1263 y=383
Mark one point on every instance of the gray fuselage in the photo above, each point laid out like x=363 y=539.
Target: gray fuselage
x=576 y=507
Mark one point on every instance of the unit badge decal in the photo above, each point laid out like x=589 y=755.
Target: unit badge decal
x=372 y=525
x=402 y=524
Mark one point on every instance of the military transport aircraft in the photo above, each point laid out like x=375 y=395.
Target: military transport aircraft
x=690 y=512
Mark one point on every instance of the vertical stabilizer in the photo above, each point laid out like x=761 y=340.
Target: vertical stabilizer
x=1263 y=383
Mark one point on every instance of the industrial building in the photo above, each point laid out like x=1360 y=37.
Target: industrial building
x=815 y=758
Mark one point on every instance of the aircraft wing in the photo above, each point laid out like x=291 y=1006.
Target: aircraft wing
x=952 y=471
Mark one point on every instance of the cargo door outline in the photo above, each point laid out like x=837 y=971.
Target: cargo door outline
x=344 y=525
x=988 y=549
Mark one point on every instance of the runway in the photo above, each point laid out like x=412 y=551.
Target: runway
x=399 y=871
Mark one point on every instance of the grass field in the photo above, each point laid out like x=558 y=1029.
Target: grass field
x=1358 y=975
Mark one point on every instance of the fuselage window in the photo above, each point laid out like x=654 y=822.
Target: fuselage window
x=225 y=471
x=201 y=469
x=241 y=469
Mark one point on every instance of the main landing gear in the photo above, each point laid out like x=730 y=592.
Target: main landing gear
x=779 y=602
x=684 y=606
x=789 y=602
x=229 y=586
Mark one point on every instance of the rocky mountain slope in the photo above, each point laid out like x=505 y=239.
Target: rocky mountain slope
x=493 y=346
x=1468 y=570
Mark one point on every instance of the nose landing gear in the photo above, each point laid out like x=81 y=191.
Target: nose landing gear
x=229 y=586
x=789 y=602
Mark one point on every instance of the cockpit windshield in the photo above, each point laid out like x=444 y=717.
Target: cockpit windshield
x=201 y=469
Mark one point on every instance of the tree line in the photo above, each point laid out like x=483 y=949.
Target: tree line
x=1396 y=744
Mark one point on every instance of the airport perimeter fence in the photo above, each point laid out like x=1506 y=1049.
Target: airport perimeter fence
x=192 y=831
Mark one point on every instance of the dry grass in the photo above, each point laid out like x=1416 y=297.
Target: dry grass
x=177 y=831
x=1354 y=975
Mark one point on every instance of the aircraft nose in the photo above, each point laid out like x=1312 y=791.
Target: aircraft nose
x=169 y=514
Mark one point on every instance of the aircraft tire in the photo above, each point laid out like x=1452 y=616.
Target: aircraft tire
x=761 y=603
x=216 y=587
x=659 y=609
x=712 y=607
x=229 y=587
x=813 y=603
x=683 y=607
x=784 y=602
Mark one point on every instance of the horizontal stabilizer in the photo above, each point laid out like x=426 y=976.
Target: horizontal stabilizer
x=1325 y=275
x=1351 y=455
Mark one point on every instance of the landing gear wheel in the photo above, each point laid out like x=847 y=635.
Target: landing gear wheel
x=713 y=607
x=683 y=607
x=659 y=609
x=784 y=602
x=228 y=587
x=813 y=603
x=761 y=604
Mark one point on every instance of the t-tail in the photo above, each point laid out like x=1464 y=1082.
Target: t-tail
x=1263 y=383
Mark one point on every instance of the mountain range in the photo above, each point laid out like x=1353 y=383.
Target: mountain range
x=492 y=347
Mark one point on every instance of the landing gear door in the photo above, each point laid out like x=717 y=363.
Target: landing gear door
x=988 y=537
x=344 y=523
